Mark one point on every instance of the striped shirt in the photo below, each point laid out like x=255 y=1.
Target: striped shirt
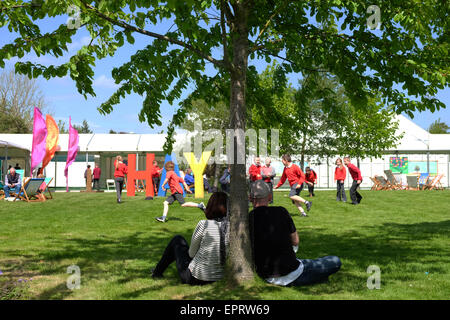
x=205 y=251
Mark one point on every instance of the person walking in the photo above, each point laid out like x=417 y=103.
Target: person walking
x=97 y=173
x=120 y=172
x=357 y=179
x=268 y=174
x=339 y=176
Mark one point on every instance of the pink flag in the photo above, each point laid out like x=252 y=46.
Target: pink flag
x=71 y=151
x=39 y=139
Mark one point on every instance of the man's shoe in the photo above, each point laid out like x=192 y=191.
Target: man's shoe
x=304 y=215
x=119 y=201
x=161 y=219
x=155 y=275
x=308 y=205
x=202 y=206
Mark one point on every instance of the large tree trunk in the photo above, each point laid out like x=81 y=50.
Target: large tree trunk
x=240 y=264
x=216 y=175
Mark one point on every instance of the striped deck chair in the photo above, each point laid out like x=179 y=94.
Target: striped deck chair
x=29 y=190
x=2 y=193
x=435 y=183
x=44 y=187
x=376 y=184
x=392 y=181
x=413 y=182
x=423 y=180
x=384 y=184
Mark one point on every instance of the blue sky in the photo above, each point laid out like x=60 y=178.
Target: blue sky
x=64 y=100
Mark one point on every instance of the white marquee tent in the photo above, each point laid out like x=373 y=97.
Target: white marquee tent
x=420 y=147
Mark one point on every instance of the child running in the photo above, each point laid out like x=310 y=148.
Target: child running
x=296 y=177
x=339 y=176
x=310 y=179
x=177 y=192
x=357 y=179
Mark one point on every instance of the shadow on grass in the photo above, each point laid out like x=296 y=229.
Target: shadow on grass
x=391 y=246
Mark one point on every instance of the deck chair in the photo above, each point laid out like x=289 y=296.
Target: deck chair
x=376 y=184
x=44 y=187
x=392 y=181
x=29 y=190
x=435 y=183
x=413 y=182
x=423 y=180
x=2 y=193
x=384 y=184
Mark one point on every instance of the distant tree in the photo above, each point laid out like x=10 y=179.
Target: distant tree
x=212 y=117
x=438 y=127
x=83 y=128
x=111 y=131
x=62 y=127
x=318 y=119
x=18 y=97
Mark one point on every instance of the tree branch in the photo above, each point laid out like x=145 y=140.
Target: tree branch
x=224 y=34
x=292 y=62
x=127 y=26
x=20 y=6
x=267 y=24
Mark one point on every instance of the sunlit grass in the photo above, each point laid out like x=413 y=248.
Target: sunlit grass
x=405 y=233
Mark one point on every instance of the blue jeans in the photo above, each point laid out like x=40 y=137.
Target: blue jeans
x=317 y=270
x=7 y=189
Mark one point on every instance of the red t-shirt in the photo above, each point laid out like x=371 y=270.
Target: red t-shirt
x=311 y=177
x=174 y=182
x=294 y=175
x=155 y=172
x=340 y=173
x=97 y=172
x=121 y=170
x=354 y=172
x=255 y=172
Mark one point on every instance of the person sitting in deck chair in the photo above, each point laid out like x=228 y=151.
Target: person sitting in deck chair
x=12 y=182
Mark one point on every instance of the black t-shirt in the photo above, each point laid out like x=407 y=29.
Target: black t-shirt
x=270 y=233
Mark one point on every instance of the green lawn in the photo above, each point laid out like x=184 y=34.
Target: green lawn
x=405 y=233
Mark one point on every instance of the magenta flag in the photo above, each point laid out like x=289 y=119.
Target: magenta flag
x=39 y=139
x=71 y=151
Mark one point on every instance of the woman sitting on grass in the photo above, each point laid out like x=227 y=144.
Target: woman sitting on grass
x=203 y=261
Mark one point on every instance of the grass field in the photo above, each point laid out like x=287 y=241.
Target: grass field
x=405 y=233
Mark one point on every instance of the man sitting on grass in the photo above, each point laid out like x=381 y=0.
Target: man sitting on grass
x=275 y=241
x=12 y=183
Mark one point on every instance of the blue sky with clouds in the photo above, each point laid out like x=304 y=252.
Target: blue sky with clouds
x=64 y=100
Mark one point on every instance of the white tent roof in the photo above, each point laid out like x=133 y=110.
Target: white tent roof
x=415 y=139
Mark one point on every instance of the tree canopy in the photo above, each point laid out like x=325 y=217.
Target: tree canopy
x=406 y=62
x=439 y=127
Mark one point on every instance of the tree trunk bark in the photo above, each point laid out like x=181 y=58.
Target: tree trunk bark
x=302 y=159
x=240 y=262
x=216 y=176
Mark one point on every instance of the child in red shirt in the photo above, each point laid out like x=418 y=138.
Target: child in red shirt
x=339 y=176
x=310 y=179
x=177 y=192
x=120 y=171
x=255 y=170
x=296 y=177
x=357 y=179
x=156 y=174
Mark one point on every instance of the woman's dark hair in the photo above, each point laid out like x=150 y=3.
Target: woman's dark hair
x=217 y=206
x=286 y=157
